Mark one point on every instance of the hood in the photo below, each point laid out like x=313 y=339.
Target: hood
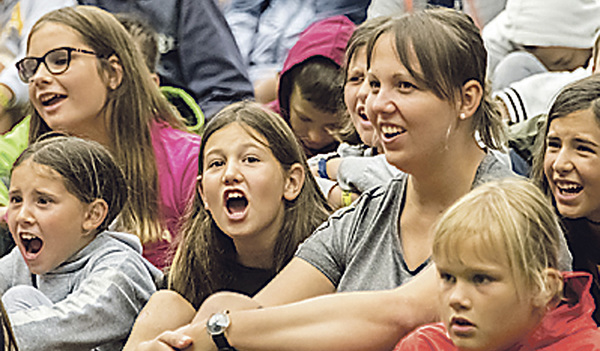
x=570 y=317
x=326 y=38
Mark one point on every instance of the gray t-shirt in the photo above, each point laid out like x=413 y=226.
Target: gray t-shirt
x=359 y=248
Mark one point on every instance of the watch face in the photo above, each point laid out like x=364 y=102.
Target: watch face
x=217 y=323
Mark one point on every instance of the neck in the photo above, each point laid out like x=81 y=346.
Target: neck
x=446 y=178
x=255 y=255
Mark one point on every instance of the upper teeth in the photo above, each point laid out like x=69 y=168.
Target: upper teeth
x=387 y=129
x=234 y=194
x=27 y=236
x=46 y=98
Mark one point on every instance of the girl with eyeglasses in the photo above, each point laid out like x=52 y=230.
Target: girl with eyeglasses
x=87 y=78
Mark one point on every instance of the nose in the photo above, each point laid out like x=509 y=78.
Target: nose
x=41 y=75
x=232 y=173
x=459 y=297
x=363 y=92
x=562 y=163
x=22 y=215
x=379 y=104
x=319 y=137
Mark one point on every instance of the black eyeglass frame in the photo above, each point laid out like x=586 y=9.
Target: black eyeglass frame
x=40 y=60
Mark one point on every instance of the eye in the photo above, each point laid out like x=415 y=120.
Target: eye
x=374 y=85
x=44 y=200
x=553 y=144
x=586 y=149
x=215 y=163
x=481 y=279
x=304 y=118
x=406 y=86
x=447 y=278
x=252 y=159
x=356 y=78
x=15 y=199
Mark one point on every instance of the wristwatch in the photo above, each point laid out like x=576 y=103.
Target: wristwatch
x=216 y=326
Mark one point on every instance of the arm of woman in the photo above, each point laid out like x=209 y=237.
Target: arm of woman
x=346 y=321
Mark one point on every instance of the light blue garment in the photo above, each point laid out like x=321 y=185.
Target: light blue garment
x=266 y=30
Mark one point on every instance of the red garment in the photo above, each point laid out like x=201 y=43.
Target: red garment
x=327 y=38
x=568 y=327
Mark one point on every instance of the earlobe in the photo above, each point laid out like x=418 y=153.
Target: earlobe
x=115 y=76
x=294 y=182
x=551 y=295
x=471 y=96
x=200 y=190
x=97 y=212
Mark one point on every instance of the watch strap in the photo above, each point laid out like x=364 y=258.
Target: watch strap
x=222 y=344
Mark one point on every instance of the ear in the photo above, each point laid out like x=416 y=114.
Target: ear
x=470 y=99
x=96 y=213
x=551 y=296
x=200 y=190
x=294 y=182
x=115 y=74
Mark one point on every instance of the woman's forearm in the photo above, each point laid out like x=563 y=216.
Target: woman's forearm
x=343 y=321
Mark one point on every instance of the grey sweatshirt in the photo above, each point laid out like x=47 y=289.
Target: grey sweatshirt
x=96 y=296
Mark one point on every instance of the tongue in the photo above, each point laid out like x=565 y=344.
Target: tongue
x=34 y=245
x=236 y=205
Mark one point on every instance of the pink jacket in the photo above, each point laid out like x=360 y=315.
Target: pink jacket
x=176 y=152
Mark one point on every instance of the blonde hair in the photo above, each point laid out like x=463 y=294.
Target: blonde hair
x=511 y=216
x=131 y=109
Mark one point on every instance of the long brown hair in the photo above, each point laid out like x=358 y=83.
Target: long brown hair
x=198 y=266
x=131 y=109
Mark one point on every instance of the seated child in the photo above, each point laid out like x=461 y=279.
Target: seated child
x=70 y=284
x=497 y=253
x=310 y=96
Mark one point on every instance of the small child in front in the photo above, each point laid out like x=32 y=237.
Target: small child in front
x=69 y=284
x=496 y=251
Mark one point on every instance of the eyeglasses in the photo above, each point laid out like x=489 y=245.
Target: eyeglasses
x=56 y=61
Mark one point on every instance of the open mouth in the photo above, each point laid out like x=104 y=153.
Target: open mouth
x=389 y=131
x=236 y=202
x=569 y=189
x=462 y=322
x=51 y=99
x=32 y=243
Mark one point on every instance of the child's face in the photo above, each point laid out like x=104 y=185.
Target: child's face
x=47 y=222
x=313 y=127
x=243 y=185
x=480 y=305
x=412 y=123
x=355 y=95
x=71 y=101
x=560 y=58
x=572 y=164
